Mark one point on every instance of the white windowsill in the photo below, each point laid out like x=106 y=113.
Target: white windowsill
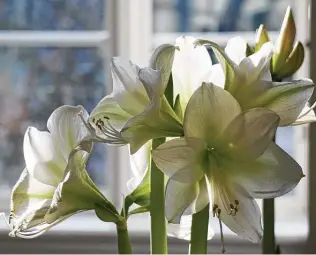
x=85 y=233
x=88 y=222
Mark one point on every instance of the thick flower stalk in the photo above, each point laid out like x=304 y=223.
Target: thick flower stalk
x=137 y=110
x=55 y=184
x=248 y=79
x=191 y=66
x=226 y=158
x=287 y=55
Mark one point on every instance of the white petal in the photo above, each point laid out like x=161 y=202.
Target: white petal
x=287 y=99
x=257 y=64
x=273 y=174
x=306 y=116
x=158 y=120
x=128 y=90
x=250 y=133
x=162 y=60
x=109 y=109
x=231 y=69
x=152 y=81
x=217 y=76
x=209 y=112
x=28 y=193
x=31 y=222
x=191 y=66
x=43 y=160
x=139 y=162
x=178 y=161
x=236 y=49
x=179 y=197
x=183 y=230
x=67 y=128
x=247 y=221
x=203 y=197
x=75 y=193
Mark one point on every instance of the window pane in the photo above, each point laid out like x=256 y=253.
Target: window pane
x=52 y=14
x=217 y=15
x=34 y=81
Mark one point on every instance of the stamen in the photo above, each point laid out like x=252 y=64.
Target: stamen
x=88 y=126
x=215 y=207
x=112 y=136
x=222 y=234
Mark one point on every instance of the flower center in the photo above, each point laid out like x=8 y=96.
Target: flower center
x=111 y=135
x=105 y=127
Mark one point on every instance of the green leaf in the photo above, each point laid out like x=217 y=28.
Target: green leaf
x=141 y=209
x=106 y=214
x=140 y=196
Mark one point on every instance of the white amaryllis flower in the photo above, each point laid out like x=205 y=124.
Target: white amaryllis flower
x=137 y=110
x=248 y=79
x=191 y=66
x=228 y=154
x=139 y=165
x=54 y=185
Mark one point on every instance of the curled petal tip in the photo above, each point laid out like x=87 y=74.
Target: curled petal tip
x=12 y=233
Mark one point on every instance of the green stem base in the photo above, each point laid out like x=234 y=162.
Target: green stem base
x=158 y=235
x=123 y=241
x=199 y=231
x=268 y=242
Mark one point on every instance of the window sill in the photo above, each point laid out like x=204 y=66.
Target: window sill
x=86 y=234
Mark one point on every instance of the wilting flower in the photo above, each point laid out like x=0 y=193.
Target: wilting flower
x=137 y=110
x=226 y=158
x=287 y=56
x=248 y=79
x=55 y=185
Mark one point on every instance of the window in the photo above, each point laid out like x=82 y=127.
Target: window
x=50 y=54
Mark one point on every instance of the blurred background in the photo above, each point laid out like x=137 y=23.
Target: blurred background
x=55 y=52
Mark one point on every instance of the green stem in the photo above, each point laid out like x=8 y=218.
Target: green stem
x=199 y=231
x=268 y=242
x=123 y=241
x=158 y=235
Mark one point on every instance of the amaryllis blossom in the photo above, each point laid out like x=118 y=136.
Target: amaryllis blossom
x=248 y=79
x=137 y=109
x=55 y=184
x=191 y=66
x=139 y=166
x=226 y=158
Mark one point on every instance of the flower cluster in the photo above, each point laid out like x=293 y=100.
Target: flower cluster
x=216 y=124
